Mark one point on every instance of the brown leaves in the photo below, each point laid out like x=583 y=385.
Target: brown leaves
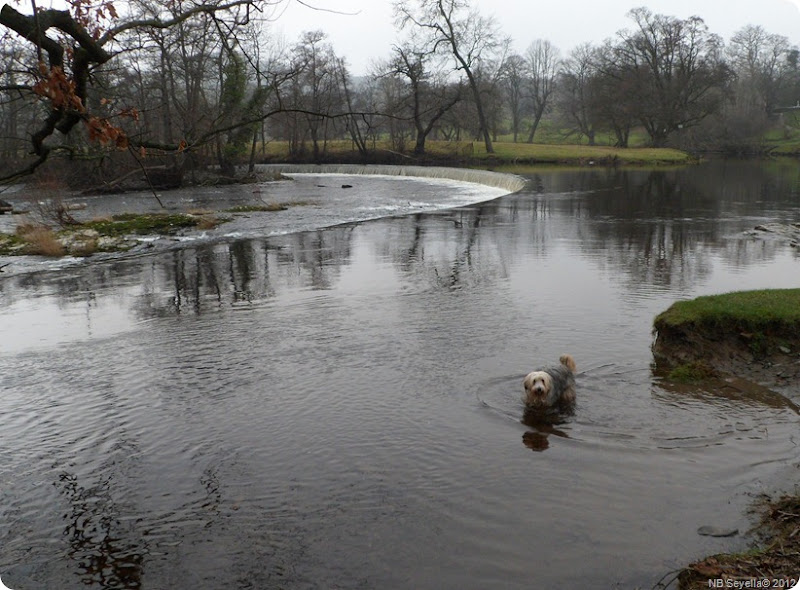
x=56 y=87
x=101 y=130
x=130 y=113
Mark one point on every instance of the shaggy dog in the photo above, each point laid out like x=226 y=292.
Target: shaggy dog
x=552 y=388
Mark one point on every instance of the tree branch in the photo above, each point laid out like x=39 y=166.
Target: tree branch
x=157 y=23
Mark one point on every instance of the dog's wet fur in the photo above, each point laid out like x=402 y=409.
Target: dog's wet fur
x=551 y=388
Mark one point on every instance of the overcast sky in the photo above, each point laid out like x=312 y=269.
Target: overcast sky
x=365 y=30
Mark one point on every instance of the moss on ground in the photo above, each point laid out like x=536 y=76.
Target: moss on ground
x=143 y=224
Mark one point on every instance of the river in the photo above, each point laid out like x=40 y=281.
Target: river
x=290 y=406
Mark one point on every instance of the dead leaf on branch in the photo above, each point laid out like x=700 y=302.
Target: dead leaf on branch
x=130 y=113
x=56 y=87
x=94 y=18
x=101 y=130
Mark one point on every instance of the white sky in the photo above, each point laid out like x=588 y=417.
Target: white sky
x=368 y=32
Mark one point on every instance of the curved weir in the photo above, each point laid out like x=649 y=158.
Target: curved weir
x=509 y=182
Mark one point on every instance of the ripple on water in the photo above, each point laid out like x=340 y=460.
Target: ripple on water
x=626 y=407
x=345 y=405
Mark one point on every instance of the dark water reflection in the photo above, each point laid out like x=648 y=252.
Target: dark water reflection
x=341 y=408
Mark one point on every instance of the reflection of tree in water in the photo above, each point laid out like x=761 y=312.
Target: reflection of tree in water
x=660 y=228
x=462 y=259
x=317 y=257
x=209 y=276
x=442 y=248
x=104 y=559
x=665 y=225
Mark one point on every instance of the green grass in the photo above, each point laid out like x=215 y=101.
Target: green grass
x=784 y=139
x=581 y=154
x=787 y=148
x=32 y=239
x=510 y=153
x=143 y=224
x=691 y=373
x=743 y=309
x=10 y=244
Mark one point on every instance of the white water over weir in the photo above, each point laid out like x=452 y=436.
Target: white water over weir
x=510 y=182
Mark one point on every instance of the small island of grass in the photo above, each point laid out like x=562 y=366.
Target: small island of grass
x=115 y=233
x=108 y=234
x=751 y=334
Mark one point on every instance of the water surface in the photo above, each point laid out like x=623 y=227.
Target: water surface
x=340 y=408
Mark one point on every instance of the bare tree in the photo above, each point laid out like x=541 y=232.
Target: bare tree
x=577 y=90
x=543 y=62
x=759 y=60
x=318 y=91
x=613 y=87
x=679 y=74
x=15 y=110
x=430 y=96
x=512 y=80
x=391 y=96
x=469 y=37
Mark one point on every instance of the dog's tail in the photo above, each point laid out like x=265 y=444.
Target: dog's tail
x=568 y=361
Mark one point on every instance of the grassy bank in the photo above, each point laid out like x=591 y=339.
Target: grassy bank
x=745 y=310
x=784 y=140
x=754 y=335
x=750 y=334
x=473 y=153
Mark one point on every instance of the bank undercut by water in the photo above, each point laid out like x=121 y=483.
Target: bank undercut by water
x=751 y=334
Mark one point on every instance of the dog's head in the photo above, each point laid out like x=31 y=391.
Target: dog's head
x=538 y=386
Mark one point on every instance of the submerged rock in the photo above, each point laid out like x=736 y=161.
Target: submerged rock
x=715 y=531
x=789 y=231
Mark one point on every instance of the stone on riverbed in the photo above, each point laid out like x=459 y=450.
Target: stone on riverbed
x=715 y=531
